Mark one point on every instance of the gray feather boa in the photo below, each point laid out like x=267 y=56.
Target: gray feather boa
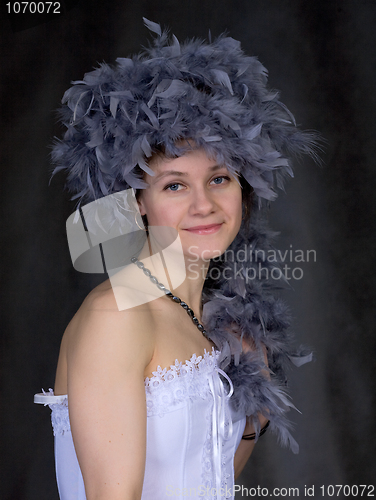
x=240 y=311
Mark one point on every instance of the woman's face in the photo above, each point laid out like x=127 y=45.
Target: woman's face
x=197 y=197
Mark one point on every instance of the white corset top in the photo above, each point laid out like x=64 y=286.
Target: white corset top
x=191 y=438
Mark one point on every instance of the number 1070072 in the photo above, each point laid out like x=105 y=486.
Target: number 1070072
x=34 y=7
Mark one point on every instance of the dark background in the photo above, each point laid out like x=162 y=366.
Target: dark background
x=321 y=54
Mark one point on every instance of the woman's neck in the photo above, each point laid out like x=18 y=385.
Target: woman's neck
x=179 y=273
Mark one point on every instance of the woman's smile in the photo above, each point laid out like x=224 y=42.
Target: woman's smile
x=208 y=229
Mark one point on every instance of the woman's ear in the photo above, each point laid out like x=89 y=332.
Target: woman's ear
x=140 y=204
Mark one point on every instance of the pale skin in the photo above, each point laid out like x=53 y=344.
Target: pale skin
x=106 y=354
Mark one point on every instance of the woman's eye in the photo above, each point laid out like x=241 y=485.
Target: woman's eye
x=221 y=179
x=172 y=187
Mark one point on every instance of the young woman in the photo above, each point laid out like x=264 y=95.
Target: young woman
x=163 y=386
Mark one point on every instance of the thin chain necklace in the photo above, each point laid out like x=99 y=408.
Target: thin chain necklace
x=173 y=297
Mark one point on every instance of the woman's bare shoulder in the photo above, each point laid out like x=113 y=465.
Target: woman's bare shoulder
x=101 y=336
x=99 y=321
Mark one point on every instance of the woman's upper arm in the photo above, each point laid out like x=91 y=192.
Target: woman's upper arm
x=245 y=447
x=106 y=360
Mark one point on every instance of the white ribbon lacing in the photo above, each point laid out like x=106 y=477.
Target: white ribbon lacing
x=220 y=399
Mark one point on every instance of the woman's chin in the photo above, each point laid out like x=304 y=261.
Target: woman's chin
x=195 y=253
x=204 y=247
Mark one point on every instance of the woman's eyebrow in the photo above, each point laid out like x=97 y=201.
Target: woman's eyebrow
x=184 y=174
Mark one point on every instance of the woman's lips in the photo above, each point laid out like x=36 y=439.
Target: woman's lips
x=209 y=229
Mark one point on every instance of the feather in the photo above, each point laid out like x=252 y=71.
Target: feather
x=170 y=114
x=175 y=47
x=125 y=62
x=175 y=89
x=153 y=119
x=222 y=78
x=156 y=28
x=145 y=146
x=114 y=101
x=96 y=138
x=253 y=132
x=99 y=222
x=301 y=360
x=226 y=121
x=212 y=138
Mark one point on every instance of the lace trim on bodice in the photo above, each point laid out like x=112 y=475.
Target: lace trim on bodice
x=59 y=411
x=165 y=389
x=169 y=387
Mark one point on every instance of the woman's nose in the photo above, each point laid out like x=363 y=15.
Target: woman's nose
x=202 y=202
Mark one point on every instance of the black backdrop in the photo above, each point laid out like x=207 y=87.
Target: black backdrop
x=321 y=55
